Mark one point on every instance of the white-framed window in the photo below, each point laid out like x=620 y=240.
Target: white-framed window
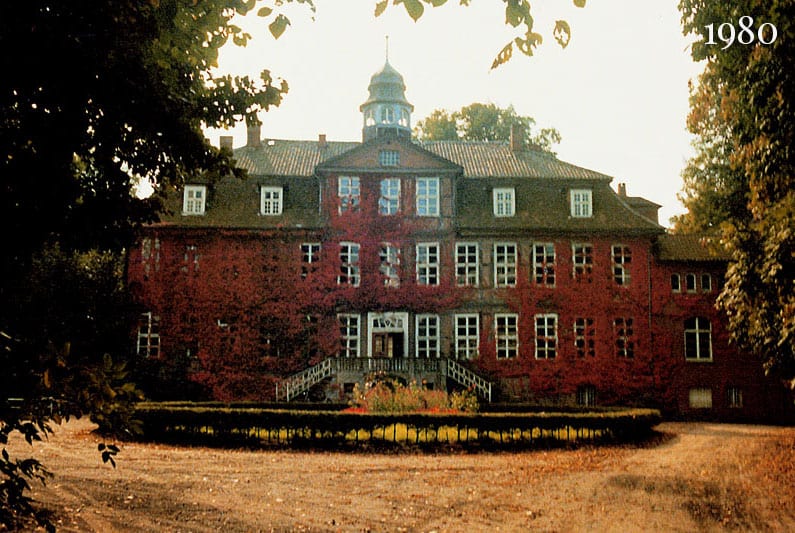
x=389 y=158
x=734 y=397
x=624 y=333
x=586 y=395
x=505 y=261
x=676 y=283
x=698 y=339
x=700 y=398
x=310 y=256
x=428 y=263
x=622 y=257
x=150 y=254
x=581 y=203
x=390 y=262
x=194 y=199
x=349 y=192
x=190 y=260
x=544 y=263
x=690 y=282
x=504 y=200
x=349 y=264
x=350 y=330
x=148 y=343
x=467 y=335
x=582 y=259
x=546 y=336
x=271 y=200
x=506 y=335
x=389 y=201
x=467 y=264
x=427 y=197
x=584 y=337
x=427 y=335
x=706 y=283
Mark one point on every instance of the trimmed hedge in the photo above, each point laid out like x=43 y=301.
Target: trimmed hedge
x=256 y=426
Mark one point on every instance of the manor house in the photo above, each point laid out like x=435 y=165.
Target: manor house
x=486 y=265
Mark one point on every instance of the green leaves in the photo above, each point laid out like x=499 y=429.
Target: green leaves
x=562 y=33
x=414 y=8
x=278 y=26
x=380 y=7
x=579 y=3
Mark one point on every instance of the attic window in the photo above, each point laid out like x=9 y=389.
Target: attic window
x=504 y=202
x=271 y=200
x=389 y=158
x=581 y=203
x=194 y=199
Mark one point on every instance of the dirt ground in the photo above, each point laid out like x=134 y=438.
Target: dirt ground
x=695 y=476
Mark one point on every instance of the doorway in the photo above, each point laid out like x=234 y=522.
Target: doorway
x=388 y=344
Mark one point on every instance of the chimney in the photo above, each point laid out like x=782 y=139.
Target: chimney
x=226 y=142
x=622 y=190
x=321 y=140
x=253 y=135
x=516 y=138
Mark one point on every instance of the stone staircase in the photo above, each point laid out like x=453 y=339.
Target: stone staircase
x=291 y=387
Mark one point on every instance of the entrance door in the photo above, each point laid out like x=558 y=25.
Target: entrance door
x=388 y=344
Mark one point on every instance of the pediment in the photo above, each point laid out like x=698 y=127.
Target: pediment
x=367 y=159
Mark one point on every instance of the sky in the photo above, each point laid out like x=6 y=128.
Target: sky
x=618 y=94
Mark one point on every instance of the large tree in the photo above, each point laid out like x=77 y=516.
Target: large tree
x=742 y=180
x=484 y=122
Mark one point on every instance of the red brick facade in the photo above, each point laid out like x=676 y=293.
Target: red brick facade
x=533 y=273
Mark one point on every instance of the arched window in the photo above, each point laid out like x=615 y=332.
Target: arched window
x=698 y=339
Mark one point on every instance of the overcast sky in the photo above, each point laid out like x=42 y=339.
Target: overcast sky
x=618 y=93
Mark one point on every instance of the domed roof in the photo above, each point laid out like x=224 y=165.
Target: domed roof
x=387 y=86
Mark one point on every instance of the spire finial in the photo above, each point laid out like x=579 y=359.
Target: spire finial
x=387 y=47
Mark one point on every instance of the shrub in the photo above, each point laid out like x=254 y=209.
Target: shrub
x=391 y=396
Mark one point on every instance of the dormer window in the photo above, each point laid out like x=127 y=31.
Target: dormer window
x=504 y=202
x=389 y=158
x=581 y=203
x=271 y=200
x=194 y=199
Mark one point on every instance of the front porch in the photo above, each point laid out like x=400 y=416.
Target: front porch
x=434 y=373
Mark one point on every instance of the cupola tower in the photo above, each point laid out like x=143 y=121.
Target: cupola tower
x=386 y=112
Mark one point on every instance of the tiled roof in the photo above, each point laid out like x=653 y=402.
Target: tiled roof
x=690 y=248
x=277 y=157
x=496 y=159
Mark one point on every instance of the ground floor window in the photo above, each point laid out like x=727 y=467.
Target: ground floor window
x=427 y=335
x=735 y=397
x=584 y=337
x=546 y=336
x=623 y=329
x=507 y=335
x=349 y=335
x=586 y=395
x=467 y=336
x=148 y=344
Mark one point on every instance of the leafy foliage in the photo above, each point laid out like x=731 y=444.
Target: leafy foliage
x=517 y=15
x=391 y=396
x=742 y=179
x=484 y=122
